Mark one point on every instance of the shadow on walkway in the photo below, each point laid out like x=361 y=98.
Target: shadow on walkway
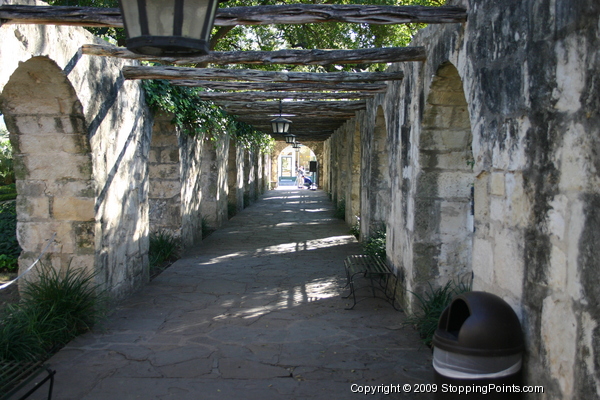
x=254 y=312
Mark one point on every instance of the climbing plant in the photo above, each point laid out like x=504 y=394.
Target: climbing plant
x=199 y=118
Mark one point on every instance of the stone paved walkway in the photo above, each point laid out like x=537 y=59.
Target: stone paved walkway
x=254 y=312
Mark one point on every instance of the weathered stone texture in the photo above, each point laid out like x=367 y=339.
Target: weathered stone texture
x=81 y=141
x=507 y=103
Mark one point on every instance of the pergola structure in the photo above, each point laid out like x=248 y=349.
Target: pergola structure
x=317 y=103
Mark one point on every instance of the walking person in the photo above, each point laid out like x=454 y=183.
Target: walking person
x=300 y=177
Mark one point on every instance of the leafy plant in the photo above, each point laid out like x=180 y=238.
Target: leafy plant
x=355 y=229
x=9 y=246
x=196 y=117
x=164 y=247
x=375 y=244
x=340 y=210
x=206 y=228
x=431 y=305
x=7 y=171
x=54 y=310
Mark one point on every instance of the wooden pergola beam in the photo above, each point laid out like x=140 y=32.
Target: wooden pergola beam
x=285 y=86
x=256 y=96
x=259 y=15
x=296 y=107
x=253 y=75
x=288 y=57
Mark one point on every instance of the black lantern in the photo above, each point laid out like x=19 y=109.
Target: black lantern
x=280 y=125
x=168 y=28
x=290 y=138
x=297 y=146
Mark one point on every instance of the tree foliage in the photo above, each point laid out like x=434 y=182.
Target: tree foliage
x=318 y=36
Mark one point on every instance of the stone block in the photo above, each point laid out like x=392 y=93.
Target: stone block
x=518 y=204
x=37 y=124
x=74 y=208
x=483 y=260
x=70 y=187
x=509 y=268
x=169 y=155
x=164 y=140
x=58 y=166
x=455 y=184
x=497 y=184
x=448 y=98
x=31 y=188
x=33 y=236
x=453 y=224
x=164 y=189
x=460 y=118
x=445 y=139
x=439 y=117
x=482 y=200
x=84 y=233
x=164 y=171
x=53 y=143
x=154 y=155
x=498 y=209
x=33 y=208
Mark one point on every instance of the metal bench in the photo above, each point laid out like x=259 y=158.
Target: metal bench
x=375 y=270
x=16 y=376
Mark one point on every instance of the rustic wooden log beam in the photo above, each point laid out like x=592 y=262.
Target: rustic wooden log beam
x=296 y=107
x=359 y=14
x=298 y=122
x=259 y=15
x=253 y=75
x=256 y=96
x=285 y=86
x=61 y=15
x=288 y=57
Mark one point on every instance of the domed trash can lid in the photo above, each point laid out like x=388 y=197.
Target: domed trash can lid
x=479 y=324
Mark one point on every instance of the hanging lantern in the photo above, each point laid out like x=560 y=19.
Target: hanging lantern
x=168 y=28
x=290 y=138
x=296 y=146
x=281 y=125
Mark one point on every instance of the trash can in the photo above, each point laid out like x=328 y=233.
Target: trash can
x=478 y=348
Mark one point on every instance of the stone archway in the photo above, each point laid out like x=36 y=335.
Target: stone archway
x=56 y=191
x=443 y=198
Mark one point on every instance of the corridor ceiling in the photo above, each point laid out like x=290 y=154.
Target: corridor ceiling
x=317 y=104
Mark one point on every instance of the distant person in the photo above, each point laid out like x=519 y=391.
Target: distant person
x=300 y=177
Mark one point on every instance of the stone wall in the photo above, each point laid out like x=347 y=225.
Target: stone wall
x=494 y=146
x=82 y=143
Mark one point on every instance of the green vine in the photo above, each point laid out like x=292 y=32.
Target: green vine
x=198 y=118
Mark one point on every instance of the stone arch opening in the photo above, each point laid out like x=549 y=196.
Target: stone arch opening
x=444 y=195
x=289 y=160
x=53 y=166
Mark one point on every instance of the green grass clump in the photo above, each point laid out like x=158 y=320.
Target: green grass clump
x=54 y=310
x=431 y=305
x=164 y=248
x=340 y=210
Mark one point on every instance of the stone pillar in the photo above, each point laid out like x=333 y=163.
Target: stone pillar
x=164 y=177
